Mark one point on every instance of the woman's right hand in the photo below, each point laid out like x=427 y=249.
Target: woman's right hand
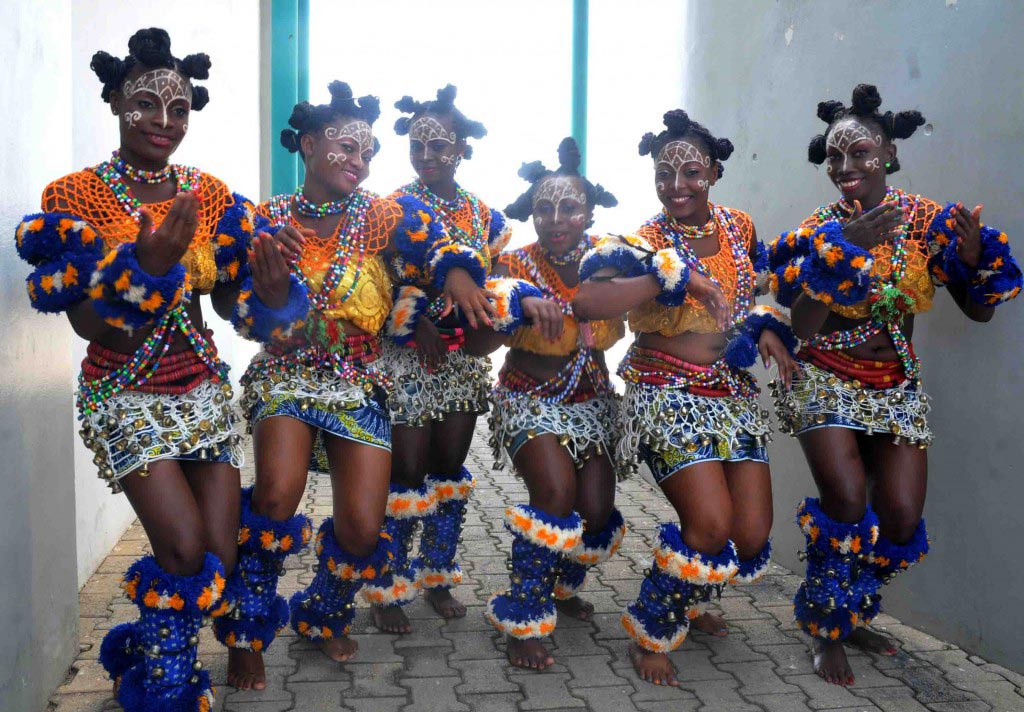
x=430 y=345
x=711 y=296
x=159 y=250
x=290 y=241
x=271 y=279
x=876 y=226
x=545 y=316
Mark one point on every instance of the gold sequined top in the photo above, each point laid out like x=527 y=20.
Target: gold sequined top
x=917 y=282
x=529 y=264
x=654 y=317
x=84 y=194
x=368 y=305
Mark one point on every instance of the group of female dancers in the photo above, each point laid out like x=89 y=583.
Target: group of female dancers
x=375 y=316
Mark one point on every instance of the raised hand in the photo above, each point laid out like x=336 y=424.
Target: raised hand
x=771 y=349
x=968 y=231
x=545 y=316
x=711 y=296
x=270 y=275
x=430 y=346
x=459 y=288
x=874 y=227
x=159 y=250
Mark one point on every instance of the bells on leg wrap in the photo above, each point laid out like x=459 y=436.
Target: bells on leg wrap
x=325 y=609
x=839 y=591
x=442 y=530
x=251 y=612
x=155 y=657
x=678 y=578
x=406 y=507
x=527 y=609
x=595 y=548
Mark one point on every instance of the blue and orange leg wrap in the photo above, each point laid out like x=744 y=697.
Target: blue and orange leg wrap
x=406 y=507
x=442 y=530
x=595 y=548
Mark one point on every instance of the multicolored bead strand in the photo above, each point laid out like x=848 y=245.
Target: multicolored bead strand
x=137 y=174
x=186 y=176
x=318 y=210
x=446 y=210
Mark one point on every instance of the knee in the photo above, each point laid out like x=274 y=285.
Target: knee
x=845 y=502
x=709 y=533
x=898 y=520
x=407 y=472
x=183 y=555
x=357 y=534
x=275 y=501
x=554 y=496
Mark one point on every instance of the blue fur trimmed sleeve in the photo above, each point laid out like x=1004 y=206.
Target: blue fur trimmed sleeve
x=633 y=256
x=499 y=234
x=255 y=321
x=409 y=303
x=995 y=280
x=128 y=297
x=509 y=295
x=64 y=250
x=819 y=261
x=425 y=252
x=233 y=237
x=741 y=351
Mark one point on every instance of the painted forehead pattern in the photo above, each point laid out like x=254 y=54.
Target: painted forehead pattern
x=678 y=153
x=356 y=129
x=847 y=132
x=166 y=84
x=427 y=128
x=557 y=189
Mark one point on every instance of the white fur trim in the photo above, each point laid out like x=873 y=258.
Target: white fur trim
x=550 y=536
x=636 y=631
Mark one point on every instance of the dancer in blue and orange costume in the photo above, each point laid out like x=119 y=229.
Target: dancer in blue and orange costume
x=687 y=281
x=439 y=388
x=554 y=411
x=855 y=274
x=126 y=248
x=315 y=385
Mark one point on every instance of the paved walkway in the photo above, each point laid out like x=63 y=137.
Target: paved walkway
x=460 y=666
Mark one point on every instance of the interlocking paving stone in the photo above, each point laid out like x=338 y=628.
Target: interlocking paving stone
x=763 y=665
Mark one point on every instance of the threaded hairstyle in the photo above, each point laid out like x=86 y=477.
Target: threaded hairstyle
x=679 y=125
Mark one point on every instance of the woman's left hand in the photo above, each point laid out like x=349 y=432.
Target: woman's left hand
x=771 y=348
x=459 y=288
x=968 y=230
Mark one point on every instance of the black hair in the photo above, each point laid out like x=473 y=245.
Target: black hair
x=864 y=105
x=678 y=125
x=151 y=48
x=443 y=105
x=568 y=165
x=308 y=117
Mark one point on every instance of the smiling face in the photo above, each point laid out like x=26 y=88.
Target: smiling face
x=856 y=152
x=434 y=148
x=683 y=174
x=152 y=108
x=338 y=155
x=561 y=212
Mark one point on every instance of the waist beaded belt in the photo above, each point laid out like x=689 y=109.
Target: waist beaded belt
x=656 y=368
x=348 y=358
x=874 y=374
x=568 y=385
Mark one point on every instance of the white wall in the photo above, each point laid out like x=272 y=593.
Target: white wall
x=223 y=140
x=38 y=596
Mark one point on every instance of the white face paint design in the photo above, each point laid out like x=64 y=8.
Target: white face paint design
x=556 y=190
x=675 y=155
x=131 y=117
x=846 y=133
x=426 y=129
x=165 y=84
x=358 y=130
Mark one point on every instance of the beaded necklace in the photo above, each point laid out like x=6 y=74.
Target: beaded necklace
x=446 y=210
x=889 y=304
x=318 y=210
x=280 y=209
x=542 y=276
x=744 y=277
x=694 y=232
x=186 y=176
x=570 y=257
x=137 y=174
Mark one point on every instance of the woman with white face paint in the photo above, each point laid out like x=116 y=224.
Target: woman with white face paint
x=439 y=388
x=553 y=413
x=126 y=248
x=855 y=273
x=314 y=397
x=687 y=281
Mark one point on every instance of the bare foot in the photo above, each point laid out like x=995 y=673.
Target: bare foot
x=711 y=624
x=529 y=653
x=446 y=605
x=391 y=619
x=830 y=662
x=339 y=649
x=655 y=668
x=245 y=670
x=575 y=607
x=869 y=640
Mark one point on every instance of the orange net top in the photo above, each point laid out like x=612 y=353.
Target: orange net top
x=529 y=264
x=917 y=281
x=84 y=194
x=653 y=317
x=368 y=305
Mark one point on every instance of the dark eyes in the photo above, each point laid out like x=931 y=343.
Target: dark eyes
x=143 y=104
x=438 y=145
x=181 y=113
x=662 y=174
